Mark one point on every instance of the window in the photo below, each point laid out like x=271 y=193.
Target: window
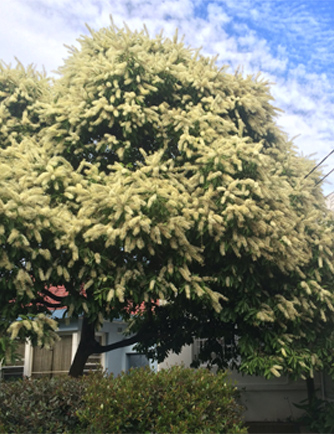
x=197 y=345
x=135 y=360
x=222 y=351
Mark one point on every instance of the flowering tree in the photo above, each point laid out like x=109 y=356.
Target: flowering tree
x=156 y=186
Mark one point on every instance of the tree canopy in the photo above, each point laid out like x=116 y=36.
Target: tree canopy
x=156 y=186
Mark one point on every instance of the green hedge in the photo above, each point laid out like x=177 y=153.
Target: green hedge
x=177 y=400
x=42 y=405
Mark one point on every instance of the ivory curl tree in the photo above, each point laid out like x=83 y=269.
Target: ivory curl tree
x=156 y=186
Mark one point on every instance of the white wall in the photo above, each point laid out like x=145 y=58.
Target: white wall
x=184 y=358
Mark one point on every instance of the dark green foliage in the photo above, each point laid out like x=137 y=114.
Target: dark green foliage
x=40 y=405
x=176 y=400
x=319 y=415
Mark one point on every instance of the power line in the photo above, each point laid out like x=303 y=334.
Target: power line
x=319 y=164
x=325 y=177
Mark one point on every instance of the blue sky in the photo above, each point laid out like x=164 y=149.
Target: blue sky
x=291 y=42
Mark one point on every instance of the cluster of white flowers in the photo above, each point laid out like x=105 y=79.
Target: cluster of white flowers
x=143 y=164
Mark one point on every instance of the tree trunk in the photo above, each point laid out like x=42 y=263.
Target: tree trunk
x=310 y=390
x=87 y=346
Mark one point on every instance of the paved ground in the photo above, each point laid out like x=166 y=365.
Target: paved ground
x=274 y=427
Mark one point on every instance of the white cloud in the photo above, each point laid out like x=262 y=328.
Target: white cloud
x=31 y=36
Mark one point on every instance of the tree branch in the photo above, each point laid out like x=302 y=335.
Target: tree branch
x=120 y=344
x=53 y=296
x=48 y=304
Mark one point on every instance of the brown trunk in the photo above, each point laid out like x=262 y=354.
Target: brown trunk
x=87 y=346
x=310 y=390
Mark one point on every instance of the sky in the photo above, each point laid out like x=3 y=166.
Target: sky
x=291 y=42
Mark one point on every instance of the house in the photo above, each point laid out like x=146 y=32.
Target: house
x=265 y=400
x=330 y=201
x=37 y=362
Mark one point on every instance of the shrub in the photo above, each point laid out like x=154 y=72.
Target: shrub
x=40 y=405
x=176 y=400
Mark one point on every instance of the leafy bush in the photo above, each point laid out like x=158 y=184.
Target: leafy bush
x=176 y=400
x=40 y=405
x=319 y=415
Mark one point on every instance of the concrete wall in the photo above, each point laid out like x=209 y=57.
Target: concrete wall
x=271 y=400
